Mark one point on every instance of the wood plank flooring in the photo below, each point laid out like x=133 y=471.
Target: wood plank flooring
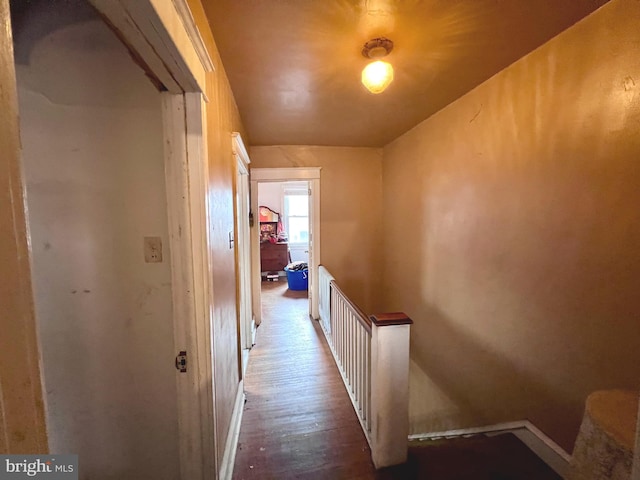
x=298 y=421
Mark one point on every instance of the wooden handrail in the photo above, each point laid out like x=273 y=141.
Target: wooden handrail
x=394 y=318
x=360 y=315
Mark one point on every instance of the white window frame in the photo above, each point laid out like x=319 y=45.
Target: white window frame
x=302 y=191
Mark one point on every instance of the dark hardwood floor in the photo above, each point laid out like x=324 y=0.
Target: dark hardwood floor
x=298 y=421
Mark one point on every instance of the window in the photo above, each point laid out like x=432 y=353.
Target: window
x=296 y=215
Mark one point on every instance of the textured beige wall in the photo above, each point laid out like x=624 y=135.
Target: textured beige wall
x=350 y=206
x=222 y=120
x=517 y=211
x=22 y=423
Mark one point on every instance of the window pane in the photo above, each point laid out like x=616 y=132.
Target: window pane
x=297 y=205
x=299 y=229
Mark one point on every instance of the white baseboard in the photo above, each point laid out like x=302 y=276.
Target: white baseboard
x=229 y=457
x=254 y=328
x=245 y=361
x=549 y=451
x=461 y=432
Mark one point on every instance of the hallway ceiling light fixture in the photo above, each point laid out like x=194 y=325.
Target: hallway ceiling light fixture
x=377 y=75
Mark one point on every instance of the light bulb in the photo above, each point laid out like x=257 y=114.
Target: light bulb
x=377 y=76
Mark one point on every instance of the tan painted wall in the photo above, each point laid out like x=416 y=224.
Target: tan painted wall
x=518 y=210
x=222 y=119
x=22 y=422
x=350 y=206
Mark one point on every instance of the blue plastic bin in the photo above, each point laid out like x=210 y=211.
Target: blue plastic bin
x=297 y=280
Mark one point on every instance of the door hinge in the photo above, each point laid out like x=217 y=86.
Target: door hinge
x=181 y=361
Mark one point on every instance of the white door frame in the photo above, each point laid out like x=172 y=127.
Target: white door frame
x=164 y=35
x=243 y=242
x=22 y=404
x=312 y=175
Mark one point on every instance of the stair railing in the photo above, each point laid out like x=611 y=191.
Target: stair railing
x=372 y=355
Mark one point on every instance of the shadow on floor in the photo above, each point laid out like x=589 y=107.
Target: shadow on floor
x=501 y=457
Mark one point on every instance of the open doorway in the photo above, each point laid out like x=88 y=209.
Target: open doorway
x=99 y=173
x=288 y=204
x=290 y=214
x=283 y=217
x=93 y=159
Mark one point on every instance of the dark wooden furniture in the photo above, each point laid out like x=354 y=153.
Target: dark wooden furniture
x=269 y=223
x=273 y=256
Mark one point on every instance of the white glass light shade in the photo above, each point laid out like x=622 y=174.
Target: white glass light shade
x=377 y=76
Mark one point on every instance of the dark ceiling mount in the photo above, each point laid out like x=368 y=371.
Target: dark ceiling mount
x=377 y=48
